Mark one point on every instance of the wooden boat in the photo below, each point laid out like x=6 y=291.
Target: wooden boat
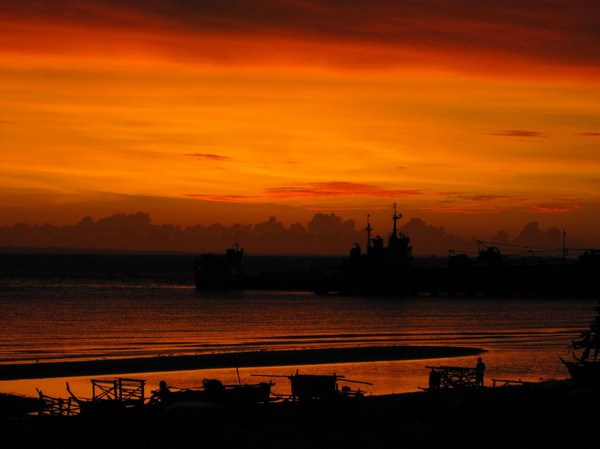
x=314 y=386
x=584 y=368
x=320 y=386
x=584 y=372
x=213 y=393
x=242 y=394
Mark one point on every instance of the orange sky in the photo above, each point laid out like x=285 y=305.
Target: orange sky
x=476 y=116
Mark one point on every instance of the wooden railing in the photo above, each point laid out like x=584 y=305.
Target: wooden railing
x=121 y=389
x=51 y=406
x=452 y=377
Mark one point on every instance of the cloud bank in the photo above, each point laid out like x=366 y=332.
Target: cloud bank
x=324 y=234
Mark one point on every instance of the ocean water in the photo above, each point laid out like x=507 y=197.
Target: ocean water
x=82 y=307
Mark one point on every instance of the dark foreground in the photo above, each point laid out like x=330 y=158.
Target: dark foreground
x=549 y=415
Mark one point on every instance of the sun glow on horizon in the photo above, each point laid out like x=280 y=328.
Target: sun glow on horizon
x=123 y=102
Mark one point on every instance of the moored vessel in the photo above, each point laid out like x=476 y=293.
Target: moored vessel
x=388 y=267
x=584 y=368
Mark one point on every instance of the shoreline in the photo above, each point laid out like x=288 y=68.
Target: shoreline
x=231 y=360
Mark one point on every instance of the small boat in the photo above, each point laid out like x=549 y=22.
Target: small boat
x=584 y=372
x=212 y=393
x=584 y=368
x=322 y=387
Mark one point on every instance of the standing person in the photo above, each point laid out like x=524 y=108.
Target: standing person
x=479 y=372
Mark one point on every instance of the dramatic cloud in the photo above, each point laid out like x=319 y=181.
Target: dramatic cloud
x=348 y=33
x=249 y=109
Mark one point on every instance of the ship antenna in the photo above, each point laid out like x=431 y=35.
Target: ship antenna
x=368 y=229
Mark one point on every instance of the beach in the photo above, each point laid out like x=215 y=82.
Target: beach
x=491 y=417
x=516 y=417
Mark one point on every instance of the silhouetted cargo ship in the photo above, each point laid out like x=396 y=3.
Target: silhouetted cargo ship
x=392 y=270
x=228 y=272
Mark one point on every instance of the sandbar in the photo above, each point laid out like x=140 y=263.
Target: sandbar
x=230 y=360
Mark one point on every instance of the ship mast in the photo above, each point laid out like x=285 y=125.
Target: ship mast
x=396 y=217
x=368 y=229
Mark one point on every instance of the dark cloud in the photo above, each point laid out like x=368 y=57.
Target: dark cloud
x=431 y=240
x=518 y=133
x=326 y=234
x=553 y=208
x=532 y=235
x=590 y=134
x=557 y=32
x=209 y=156
x=483 y=198
x=221 y=198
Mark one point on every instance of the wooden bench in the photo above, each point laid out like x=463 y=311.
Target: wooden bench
x=508 y=382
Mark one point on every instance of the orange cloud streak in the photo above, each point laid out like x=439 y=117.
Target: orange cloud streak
x=329 y=189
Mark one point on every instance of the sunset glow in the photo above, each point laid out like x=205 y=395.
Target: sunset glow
x=473 y=117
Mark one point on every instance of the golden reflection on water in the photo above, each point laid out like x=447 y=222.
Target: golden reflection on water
x=523 y=337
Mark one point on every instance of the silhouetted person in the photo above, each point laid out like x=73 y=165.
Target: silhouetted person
x=479 y=372
x=162 y=393
x=435 y=378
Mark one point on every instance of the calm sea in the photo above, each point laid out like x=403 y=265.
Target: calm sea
x=78 y=307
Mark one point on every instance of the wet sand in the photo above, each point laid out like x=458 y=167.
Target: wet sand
x=230 y=360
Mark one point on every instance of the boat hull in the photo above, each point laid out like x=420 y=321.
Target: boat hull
x=215 y=393
x=584 y=373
